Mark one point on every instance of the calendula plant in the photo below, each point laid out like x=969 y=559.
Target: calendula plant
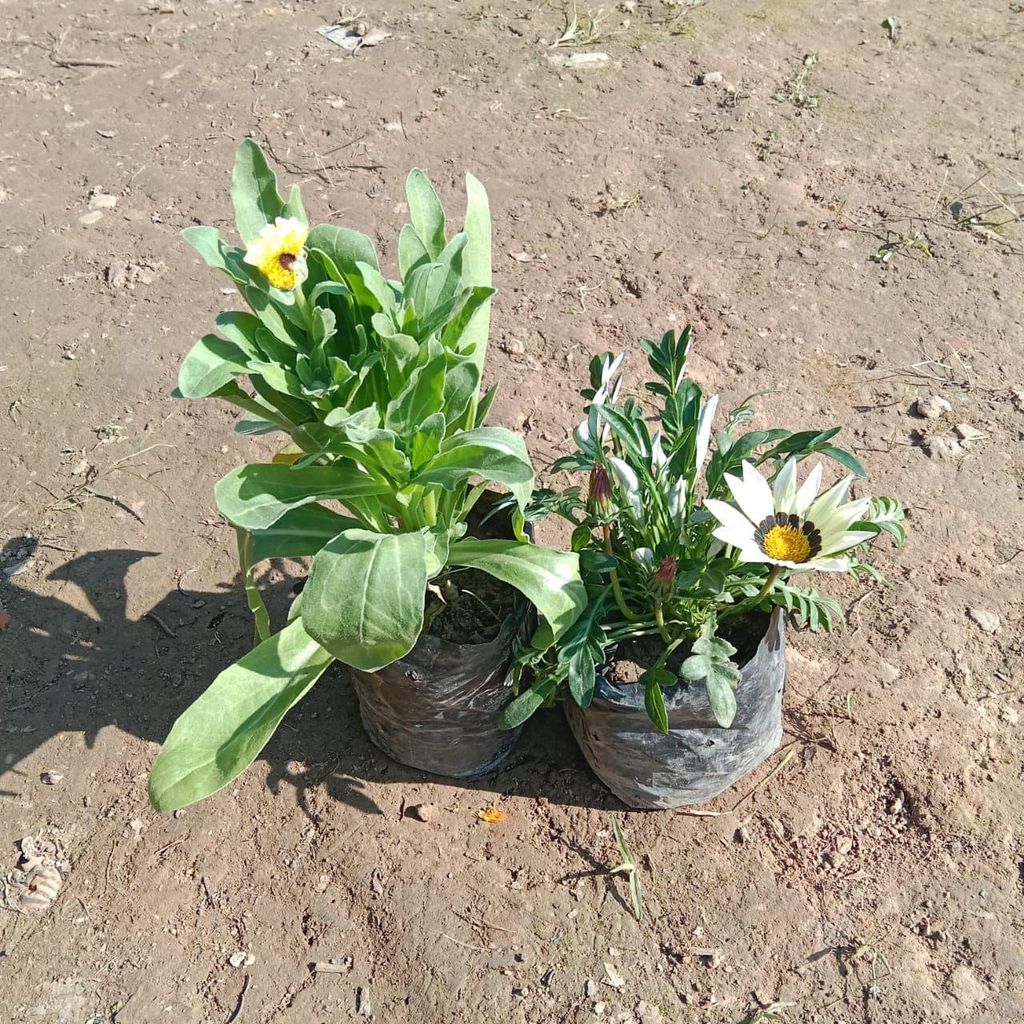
x=682 y=530
x=376 y=382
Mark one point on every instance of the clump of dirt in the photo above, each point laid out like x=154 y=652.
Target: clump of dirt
x=469 y=607
x=632 y=659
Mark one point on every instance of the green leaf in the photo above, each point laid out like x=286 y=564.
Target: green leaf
x=220 y=734
x=582 y=647
x=844 y=458
x=207 y=242
x=364 y=598
x=257 y=496
x=344 y=247
x=719 y=683
x=549 y=579
x=426 y=442
x=654 y=702
x=422 y=396
x=461 y=386
x=210 y=364
x=714 y=647
x=426 y=212
x=529 y=701
x=492 y=453
x=411 y=251
x=476 y=267
x=299 y=532
x=254 y=191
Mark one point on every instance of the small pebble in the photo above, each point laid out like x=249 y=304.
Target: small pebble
x=422 y=812
x=931 y=407
x=968 y=433
x=989 y=621
x=943 y=448
x=51 y=778
x=711 y=78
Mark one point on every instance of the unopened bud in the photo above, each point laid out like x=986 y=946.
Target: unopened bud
x=600 y=494
x=665 y=577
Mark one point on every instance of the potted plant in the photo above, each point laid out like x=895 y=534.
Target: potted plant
x=690 y=542
x=376 y=382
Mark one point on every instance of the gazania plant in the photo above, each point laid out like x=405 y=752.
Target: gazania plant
x=688 y=528
x=375 y=384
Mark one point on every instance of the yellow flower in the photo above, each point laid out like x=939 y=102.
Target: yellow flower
x=277 y=252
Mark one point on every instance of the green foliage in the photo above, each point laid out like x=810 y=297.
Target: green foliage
x=710 y=662
x=648 y=553
x=377 y=383
x=221 y=734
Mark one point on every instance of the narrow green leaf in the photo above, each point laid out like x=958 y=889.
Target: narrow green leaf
x=549 y=579
x=364 y=598
x=529 y=701
x=654 y=702
x=476 y=267
x=223 y=731
x=257 y=496
x=844 y=458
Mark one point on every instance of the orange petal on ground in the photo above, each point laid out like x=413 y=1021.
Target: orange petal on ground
x=492 y=815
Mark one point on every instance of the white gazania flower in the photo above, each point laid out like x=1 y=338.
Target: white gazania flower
x=792 y=527
x=628 y=483
x=278 y=252
x=590 y=433
x=659 y=460
x=707 y=416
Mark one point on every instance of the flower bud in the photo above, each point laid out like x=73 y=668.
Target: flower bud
x=665 y=577
x=600 y=494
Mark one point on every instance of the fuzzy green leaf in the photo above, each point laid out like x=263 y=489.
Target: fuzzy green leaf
x=257 y=496
x=223 y=731
x=549 y=579
x=364 y=598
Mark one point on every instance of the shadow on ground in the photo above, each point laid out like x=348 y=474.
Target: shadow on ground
x=68 y=670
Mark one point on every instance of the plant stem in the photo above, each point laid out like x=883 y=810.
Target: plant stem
x=302 y=305
x=754 y=601
x=659 y=619
x=616 y=588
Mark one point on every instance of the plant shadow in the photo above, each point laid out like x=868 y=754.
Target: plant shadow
x=67 y=669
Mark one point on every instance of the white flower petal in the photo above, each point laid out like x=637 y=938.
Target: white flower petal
x=645 y=556
x=752 y=494
x=828 y=565
x=677 y=498
x=784 y=494
x=658 y=457
x=823 y=507
x=808 y=491
x=728 y=516
x=627 y=481
x=843 y=542
x=707 y=416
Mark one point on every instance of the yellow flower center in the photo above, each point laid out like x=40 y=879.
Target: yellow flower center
x=786 y=544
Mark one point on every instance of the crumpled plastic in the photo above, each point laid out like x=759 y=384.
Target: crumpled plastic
x=698 y=759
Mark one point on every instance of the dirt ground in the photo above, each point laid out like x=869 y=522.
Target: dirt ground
x=828 y=227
